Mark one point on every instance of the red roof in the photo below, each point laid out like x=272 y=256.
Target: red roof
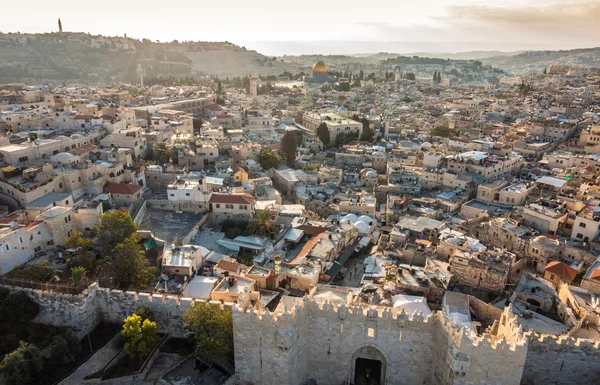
x=242 y=199
x=123 y=188
x=229 y=266
x=83 y=149
x=595 y=274
x=312 y=230
x=213 y=107
x=561 y=269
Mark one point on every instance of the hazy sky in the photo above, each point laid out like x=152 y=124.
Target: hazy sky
x=506 y=25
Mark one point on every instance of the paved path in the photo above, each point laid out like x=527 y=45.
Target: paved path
x=94 y=363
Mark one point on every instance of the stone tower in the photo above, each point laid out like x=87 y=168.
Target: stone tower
x=141 y=73
x=397 y=74
x=59 y=25
x=253 y=84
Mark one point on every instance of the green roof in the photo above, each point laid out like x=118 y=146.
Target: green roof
x=150 y=243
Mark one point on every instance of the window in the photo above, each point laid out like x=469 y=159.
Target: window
x=579 y=235
x=21 y=240
x=7 y=247
x=187 y=194
x=582 y=224
x=23 y=159
x=218 y=206
x=551 y=276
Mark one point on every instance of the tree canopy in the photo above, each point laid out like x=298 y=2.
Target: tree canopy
x=22 y=365
x=18 y=307
x=140 y=336
x=289 y=144
x=213 y=332
x=113 y=228
x=262 y=224
x=268 y=159
x=441 y=130
x=83 y=251
x=129 y=264
x=323 y=134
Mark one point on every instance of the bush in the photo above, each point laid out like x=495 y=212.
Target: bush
x=145 y=312
x=18 y=306
x=4 y=292
x=22 y=365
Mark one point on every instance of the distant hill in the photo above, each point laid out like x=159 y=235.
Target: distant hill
x=90 y=59
x=536 y=61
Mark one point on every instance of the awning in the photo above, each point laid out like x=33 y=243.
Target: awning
x=8 y=169
x=150 y=243
x=339 y=263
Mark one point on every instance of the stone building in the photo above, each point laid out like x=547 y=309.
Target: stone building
x=487 y=270
x=325 y=339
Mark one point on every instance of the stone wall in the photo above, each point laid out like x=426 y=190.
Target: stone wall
x=79 y=312
x=83 y=312
x=321 y=341
x=553 y=361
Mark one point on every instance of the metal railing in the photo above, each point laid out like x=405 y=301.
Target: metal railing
x=45 y=286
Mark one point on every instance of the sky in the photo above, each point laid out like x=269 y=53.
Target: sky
x=335 y=26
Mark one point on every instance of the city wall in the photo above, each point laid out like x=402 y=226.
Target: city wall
x=321 y=341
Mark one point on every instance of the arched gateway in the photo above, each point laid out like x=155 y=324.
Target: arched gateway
x=368 y=366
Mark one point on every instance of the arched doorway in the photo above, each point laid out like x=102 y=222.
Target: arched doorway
x=368 y=366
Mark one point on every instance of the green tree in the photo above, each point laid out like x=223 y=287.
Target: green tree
x=435 y=76
x=268 y=159
x=213 y=332
x=113 y=228
x=129 y=265
x=161 y=153
x=140 y=336
x=77 y=274
x=289 y=144
x=441 y=130
x=65 y=348
x=439 y=77
x=323 y=134
x=83 y=251
x=410 y=76
x=262 y=224
x=22 y=366
x=367 y=133
x=18 y=307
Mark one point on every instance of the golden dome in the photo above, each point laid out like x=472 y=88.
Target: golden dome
x=319 y=67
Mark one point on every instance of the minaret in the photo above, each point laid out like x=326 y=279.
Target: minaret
x=397 y=74
x=141 y=73
x=59 y=25
x=253 y=85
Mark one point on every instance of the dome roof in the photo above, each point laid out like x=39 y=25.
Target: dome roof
x=319 y=67
x=362 y=227
x=350 y=217
x=365 y=218
x=342 y=109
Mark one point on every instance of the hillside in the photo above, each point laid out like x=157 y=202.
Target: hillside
x=536 y=61
x=83 y=58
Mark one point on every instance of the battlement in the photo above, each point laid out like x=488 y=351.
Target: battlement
x=559 y=342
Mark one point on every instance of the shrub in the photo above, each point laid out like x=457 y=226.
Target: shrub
x=18 y=306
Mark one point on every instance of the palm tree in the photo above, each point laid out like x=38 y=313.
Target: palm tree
x=161 y=153
x=262 y=224
x=77 y=274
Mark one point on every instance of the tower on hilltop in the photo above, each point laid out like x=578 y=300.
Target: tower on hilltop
x=253 y=84
x=59 y=25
